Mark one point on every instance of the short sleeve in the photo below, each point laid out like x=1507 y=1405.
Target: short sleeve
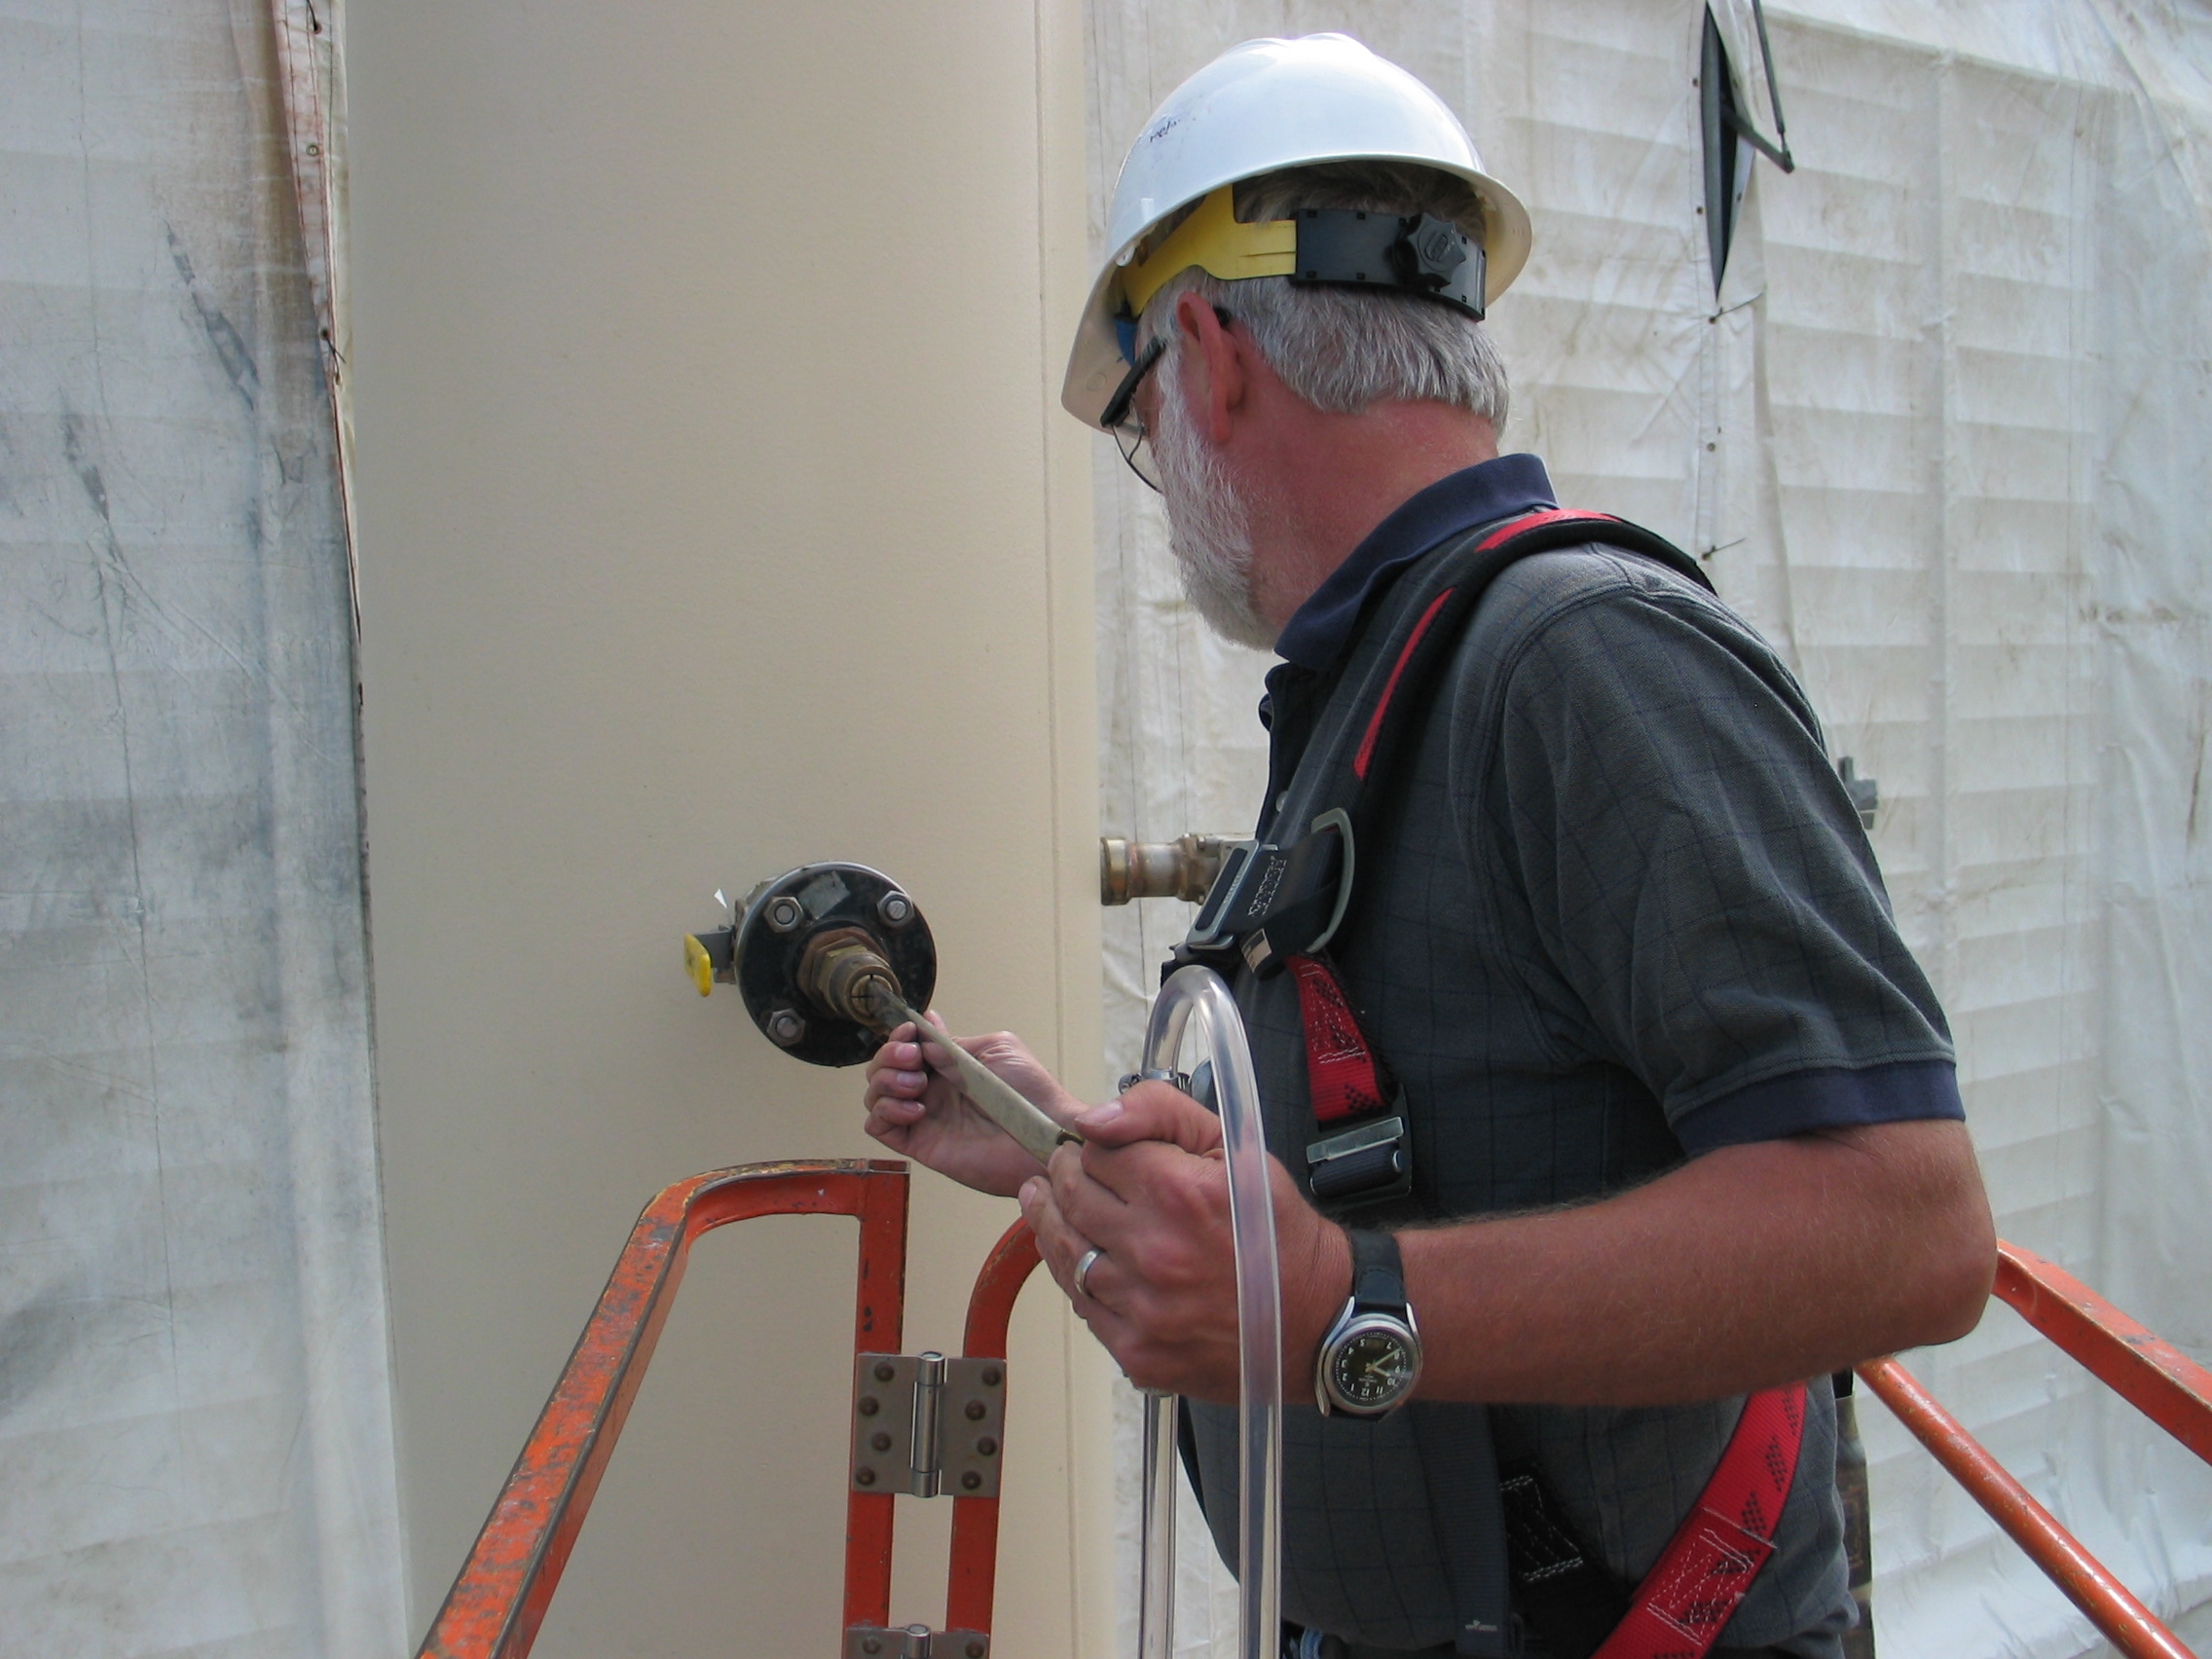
x=1699 y=902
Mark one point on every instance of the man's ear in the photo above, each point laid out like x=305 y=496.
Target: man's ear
x=1213 y=367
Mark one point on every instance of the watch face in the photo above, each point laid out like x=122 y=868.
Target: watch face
x=1371 y=1368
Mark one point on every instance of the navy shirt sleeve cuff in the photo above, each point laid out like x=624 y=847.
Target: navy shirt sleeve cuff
x=1829 y=1097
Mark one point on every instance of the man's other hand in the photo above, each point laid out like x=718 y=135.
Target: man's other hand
x=1148 y=1190
x=921 y=1114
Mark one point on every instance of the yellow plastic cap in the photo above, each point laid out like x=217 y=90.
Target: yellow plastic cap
x=698 y=964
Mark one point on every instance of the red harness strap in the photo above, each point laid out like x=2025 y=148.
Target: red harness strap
x=1700 y=1577
x=1360 y=760
x=1341 y=1073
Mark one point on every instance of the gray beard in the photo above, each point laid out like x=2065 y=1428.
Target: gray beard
x=1209 y=525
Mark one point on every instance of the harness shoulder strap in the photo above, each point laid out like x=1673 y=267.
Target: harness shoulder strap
x=1287 y=897
x=1280 y=925
x=1428 y=641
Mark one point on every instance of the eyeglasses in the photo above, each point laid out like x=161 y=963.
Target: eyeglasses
x=1120 y=417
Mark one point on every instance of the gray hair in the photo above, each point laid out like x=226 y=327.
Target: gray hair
x=1342 y=349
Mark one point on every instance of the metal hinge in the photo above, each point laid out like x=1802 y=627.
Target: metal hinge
x=926 y=1424
x=915 y=1641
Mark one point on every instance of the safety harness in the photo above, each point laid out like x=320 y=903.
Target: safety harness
x=1275 y=908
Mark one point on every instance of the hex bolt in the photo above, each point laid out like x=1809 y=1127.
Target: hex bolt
x=987 y=1446
x=786 y=1028
x=975 y=1410
x=785 y=913
x=880 y=1441
x=868 y=1406
x=863 y=1476
x=969 y=1481
x=895 y=908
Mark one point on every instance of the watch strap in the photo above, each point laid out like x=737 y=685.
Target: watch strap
x=1377 y=1272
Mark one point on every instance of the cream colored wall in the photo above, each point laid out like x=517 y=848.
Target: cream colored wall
x=708 y=460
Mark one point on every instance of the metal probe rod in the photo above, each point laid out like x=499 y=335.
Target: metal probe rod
x=999 y=1100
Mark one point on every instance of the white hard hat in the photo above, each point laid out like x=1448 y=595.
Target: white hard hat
x=1259 y=108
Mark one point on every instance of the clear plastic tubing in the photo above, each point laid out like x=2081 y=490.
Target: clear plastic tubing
x=1197 y=995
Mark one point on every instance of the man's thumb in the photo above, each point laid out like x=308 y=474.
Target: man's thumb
x=1152 y=1111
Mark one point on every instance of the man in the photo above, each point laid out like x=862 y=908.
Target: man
x=1678 y=1108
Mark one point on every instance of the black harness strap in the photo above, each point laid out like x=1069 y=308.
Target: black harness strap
x=1463 y=1499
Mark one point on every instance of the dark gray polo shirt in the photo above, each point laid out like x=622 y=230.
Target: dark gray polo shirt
x=1625 y=914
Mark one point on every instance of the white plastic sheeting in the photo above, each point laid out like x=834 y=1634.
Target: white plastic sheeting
x=195 y=1427
x=1942 y=436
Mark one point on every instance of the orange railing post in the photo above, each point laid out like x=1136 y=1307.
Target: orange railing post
x=973 y=1576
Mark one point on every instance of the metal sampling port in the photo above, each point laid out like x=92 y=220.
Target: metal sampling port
x=827 y=957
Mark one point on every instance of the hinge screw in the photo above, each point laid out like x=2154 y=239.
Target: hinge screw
x=992 y=1375
x=883 y=1374
x=880 y=1441
x=864 y=1476
x=987 y=1446
x=975 y=1410
x=971 y=1480
x=868 y=1406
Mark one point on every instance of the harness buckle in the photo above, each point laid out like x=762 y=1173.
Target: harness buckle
x=1272 y=902
x=1369 y=1163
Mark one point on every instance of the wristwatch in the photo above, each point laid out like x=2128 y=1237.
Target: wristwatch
x=1371 y=1358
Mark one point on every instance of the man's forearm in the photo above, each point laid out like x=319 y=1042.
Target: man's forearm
x=1750 y=1266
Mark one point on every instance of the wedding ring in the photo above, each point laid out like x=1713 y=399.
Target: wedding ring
x=1083 y=1264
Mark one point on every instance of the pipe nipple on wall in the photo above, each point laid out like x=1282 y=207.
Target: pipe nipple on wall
x=843 y=972
x=1182 y=868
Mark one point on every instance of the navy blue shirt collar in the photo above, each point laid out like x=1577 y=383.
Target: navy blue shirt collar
x=1321 y=630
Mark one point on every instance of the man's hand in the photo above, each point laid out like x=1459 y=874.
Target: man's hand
x=1150 y=1191
x=920 y=1114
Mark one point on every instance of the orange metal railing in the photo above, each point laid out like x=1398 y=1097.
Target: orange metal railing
x=2161 y=1381
x=497 y=1603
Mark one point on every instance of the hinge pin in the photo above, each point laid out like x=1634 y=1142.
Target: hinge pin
x=927 y=1461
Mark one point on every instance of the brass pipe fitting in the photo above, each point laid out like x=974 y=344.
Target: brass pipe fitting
x=841 y=973
x=1182 y=868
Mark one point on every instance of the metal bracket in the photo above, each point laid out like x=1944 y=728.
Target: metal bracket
x=1865 y=793
x=926 y=1424
x=915 y=1641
